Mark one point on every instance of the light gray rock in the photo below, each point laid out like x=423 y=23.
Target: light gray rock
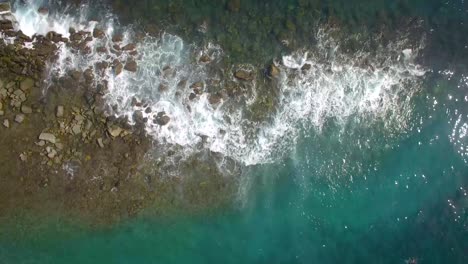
x=48 y=137
x=100 y=142
x=114 y=131
x=19 y=118
x=60 y=111
x=6 y=123
x=76 y=129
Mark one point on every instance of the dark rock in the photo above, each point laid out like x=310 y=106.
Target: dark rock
x=101 y=49
x=117 y=38
x=43 y=11
x=98 y=33
x=273 y=71
x=205 y=58
x=192 y=96
x=131 y=66
x=214 y=99
x=5 y=7
x=197 y=87
x=306 y=67
x=76 y=75
x=182 y=84
x=129 y=47
x=162 y=119
x=163 y=88
x=118 y=67
x=244 y=75
x=88 y=75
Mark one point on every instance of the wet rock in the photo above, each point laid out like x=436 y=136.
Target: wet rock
x=48 y=137
x=6 y=25
x=163 y=88
x=129 y=47
x=27 y=84
x=5 y=7
x=43 y=11
x=131 y=66
x=2 y=113
x=182 y=84
x=117 y=38
x=214 y=99
x=192 y=96
x=205 y=58
x=101 y=49
x=114 y=131
x=98 y=33
x=118 y=68
x=54 y=36
x=6 y=123
x=197 y=87
x=59 y=111
x=26 y=109
x=244 y=75
x=273 y=71
x=19 y=118
x=162 y=119
x=306 y=67
x=76 y=75
x=88 y=75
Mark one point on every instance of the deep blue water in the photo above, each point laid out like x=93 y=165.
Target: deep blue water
x=329 y=201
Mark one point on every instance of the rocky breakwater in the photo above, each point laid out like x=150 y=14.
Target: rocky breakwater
x=63 y=153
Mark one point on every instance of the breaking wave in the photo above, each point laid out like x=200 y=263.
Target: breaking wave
x=187 y=84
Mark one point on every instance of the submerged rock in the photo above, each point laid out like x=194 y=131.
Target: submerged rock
x=131 y=66
x=48 y=137
x=27 y=84
x=19 y=118
x=26 y=109
x=234 y=5
x=59 y=112
x=244 y=75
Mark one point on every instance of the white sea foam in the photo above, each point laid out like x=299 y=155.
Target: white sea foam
x=363 y=87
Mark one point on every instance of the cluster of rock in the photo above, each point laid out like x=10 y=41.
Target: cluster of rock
x=14 y=94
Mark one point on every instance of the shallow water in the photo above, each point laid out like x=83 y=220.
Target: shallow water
x=378 y=176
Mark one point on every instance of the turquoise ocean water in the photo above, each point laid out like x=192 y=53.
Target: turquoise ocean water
x=355 y=195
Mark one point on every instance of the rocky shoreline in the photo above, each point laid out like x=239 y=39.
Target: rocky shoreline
x=63 y=153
